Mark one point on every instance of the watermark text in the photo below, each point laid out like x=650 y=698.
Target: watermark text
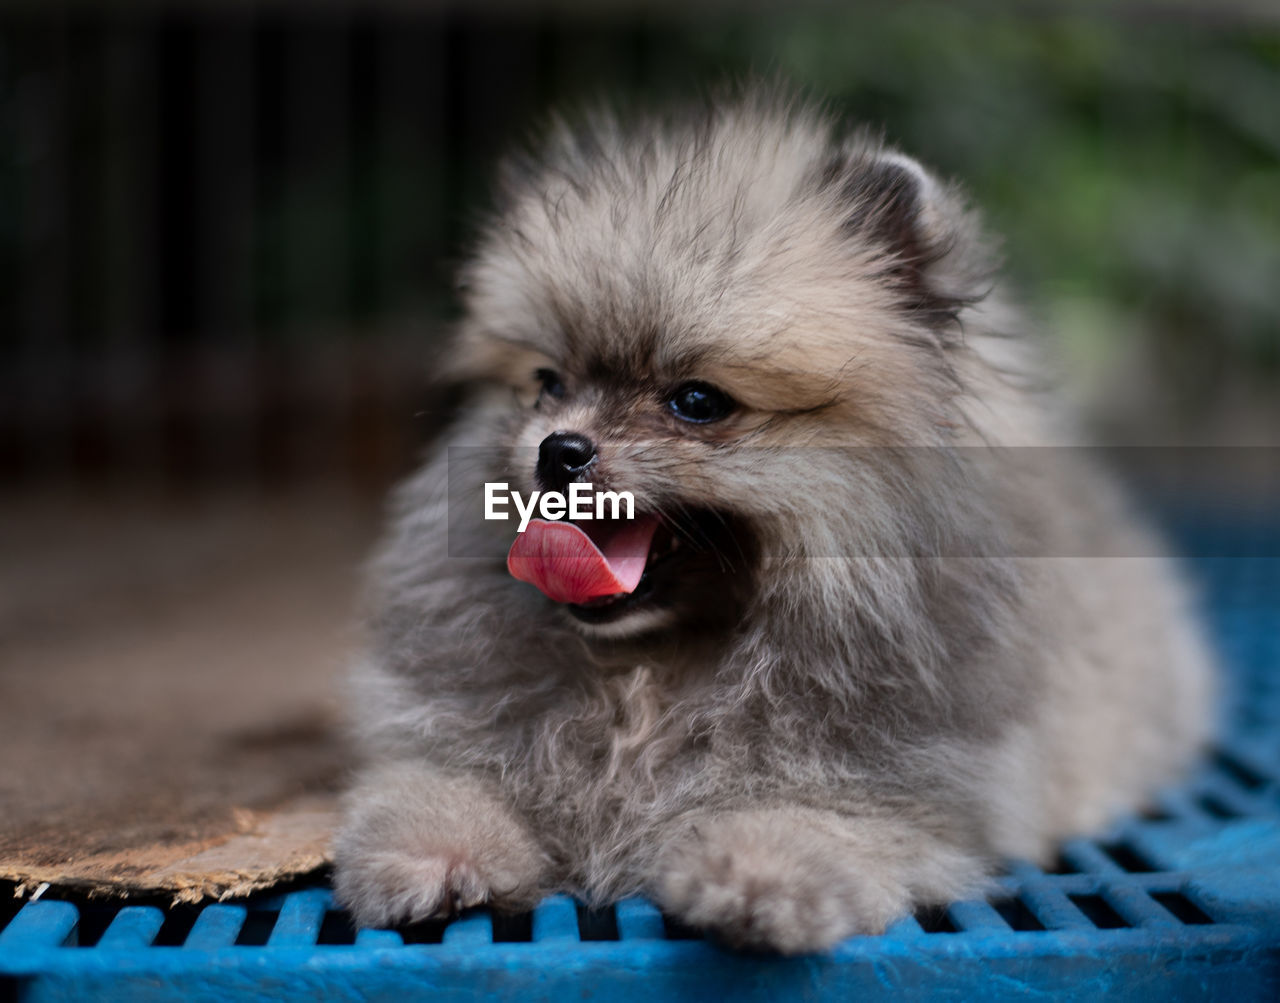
x=582 y=502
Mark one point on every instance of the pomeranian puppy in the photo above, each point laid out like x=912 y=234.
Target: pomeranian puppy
x=859 y=641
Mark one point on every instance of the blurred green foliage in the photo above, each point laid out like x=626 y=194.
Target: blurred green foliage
x=1132 y=164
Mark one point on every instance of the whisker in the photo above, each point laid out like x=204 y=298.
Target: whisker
x=680 y=527
x=728 y=527
x=685 y=525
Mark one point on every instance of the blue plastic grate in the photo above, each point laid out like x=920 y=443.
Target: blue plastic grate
x=1181 y=902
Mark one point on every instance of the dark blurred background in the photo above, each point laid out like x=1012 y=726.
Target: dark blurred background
x=227 y=230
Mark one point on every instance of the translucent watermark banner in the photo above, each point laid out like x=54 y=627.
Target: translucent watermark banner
x=867 y=502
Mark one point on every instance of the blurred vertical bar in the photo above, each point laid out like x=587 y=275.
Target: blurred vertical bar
x=415 y=153
x=127 y=242
x=407 y=149
x=592 y=53
x=497 y=82
x=271 y=113
x=85 y=111
x=10 y=259
x=664 y=59
x=224 y=185
x=183 y=383
x=367 y=138
x=366 y=278
x=43 y=353
x=317 y=273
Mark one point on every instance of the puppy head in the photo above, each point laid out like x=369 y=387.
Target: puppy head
x=697 y=312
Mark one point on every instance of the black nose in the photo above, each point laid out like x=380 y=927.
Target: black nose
x=562 y=458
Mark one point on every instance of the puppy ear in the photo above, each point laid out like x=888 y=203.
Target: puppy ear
x=927 y=244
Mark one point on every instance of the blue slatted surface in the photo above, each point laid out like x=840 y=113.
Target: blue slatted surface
x=1182 y=903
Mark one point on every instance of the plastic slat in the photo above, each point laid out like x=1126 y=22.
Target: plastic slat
x=133 y=927
x=1021 y=872
x=639 y=920
x=216 y=926
x=555 y=918
x=1088 y=858
x=473 y=930
x=1178 y=806
x=1261 y=754
x=1052 y=907
x=1137 y=907
x=300 y=919
x=975 y=915
x=40 y=924
x=1193 y=813
x=1234 y=799
x=379 y=938
x=907 y=928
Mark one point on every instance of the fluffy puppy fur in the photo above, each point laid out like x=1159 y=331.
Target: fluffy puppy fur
x=892 y=649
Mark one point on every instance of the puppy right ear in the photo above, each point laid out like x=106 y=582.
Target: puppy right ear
x=927 y=244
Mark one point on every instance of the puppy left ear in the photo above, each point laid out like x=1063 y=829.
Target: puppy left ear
x=926 y=243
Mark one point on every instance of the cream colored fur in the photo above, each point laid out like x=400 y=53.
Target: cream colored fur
x=925 y=650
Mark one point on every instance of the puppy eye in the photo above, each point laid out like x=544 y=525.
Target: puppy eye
x=552 y=384
x=699 y=403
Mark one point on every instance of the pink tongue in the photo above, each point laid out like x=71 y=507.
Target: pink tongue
x=561 y=560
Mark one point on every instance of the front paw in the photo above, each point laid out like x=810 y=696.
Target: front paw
x=759 y=880
x=392 y=887
x=419 y=845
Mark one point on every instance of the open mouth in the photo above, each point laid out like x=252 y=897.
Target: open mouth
x=665 y=550
x=600 y=569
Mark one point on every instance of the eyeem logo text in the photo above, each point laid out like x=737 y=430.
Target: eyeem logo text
x=553 y=505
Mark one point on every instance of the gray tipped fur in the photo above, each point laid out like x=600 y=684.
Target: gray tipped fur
x=866 y=722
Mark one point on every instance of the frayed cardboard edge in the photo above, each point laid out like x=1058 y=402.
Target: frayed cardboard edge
x=208 y=888
x=288 y=844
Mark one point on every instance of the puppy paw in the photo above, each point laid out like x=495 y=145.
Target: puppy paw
x=391 y=887
x=772 y=901
x=781 y=881
x=417 y=846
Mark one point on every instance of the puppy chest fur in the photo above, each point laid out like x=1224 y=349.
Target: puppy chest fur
x=861 y=662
